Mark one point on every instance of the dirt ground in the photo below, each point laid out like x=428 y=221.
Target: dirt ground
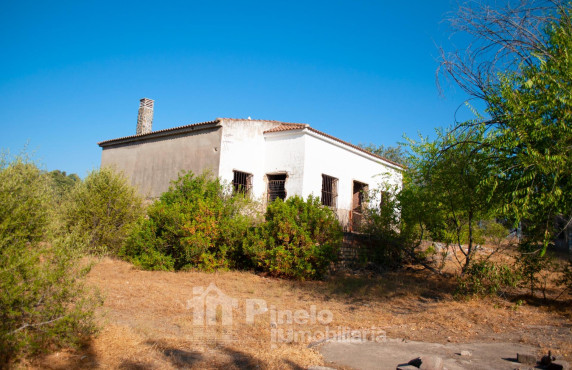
x=147 y=320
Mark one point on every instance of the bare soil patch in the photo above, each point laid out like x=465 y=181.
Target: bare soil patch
x=146 y=321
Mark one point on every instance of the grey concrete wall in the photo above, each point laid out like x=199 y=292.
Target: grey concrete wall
x=151 y=164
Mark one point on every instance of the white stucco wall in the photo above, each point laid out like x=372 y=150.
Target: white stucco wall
x=243 y=149
x=285 y=152
x=307 y=155
x=303 y=155
x=329 y=157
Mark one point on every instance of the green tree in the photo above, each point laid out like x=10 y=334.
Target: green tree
x=103 y=208
x=522 y=69
x=394 y=153
x=62 y=182
x=42 y=300
x=457 y=201
x=531 y=137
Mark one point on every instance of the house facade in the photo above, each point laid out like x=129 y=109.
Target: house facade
x=266 y=159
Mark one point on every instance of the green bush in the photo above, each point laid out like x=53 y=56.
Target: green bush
x=531 y=263
x=566 y=280
x=484 y=278
x=196 y=224
x=25 y=202
x=299 y=239
x=63 y=183
x=42 y=301
x=382 y=226
x=103 y=208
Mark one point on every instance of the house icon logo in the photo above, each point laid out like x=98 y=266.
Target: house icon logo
x=205 y=303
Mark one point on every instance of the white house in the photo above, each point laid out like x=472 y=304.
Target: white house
x=266 y=159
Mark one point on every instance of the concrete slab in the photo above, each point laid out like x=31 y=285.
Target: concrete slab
x=393 y=352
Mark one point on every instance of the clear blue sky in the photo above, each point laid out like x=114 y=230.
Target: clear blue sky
x=72 y=73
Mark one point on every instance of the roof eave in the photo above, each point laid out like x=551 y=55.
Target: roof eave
x=161 y=133
x=308 y=129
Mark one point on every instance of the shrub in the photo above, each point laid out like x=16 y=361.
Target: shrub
x=484 y=278
x=25 y=202
x=196 y=224
x=103 y=208
x=382 y=225
x=42 y=301
x=531 y=263
x=299 y=239
x=144 y=249
x=63 y=183
x=566 y=280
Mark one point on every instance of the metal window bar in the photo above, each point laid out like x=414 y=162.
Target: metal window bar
x=276 y=187
x=329 y=191
x=242 y=182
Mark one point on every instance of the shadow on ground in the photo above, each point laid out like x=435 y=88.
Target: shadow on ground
x=166 y=356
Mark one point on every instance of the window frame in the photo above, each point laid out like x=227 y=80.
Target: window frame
x=329 y=193
x=273 y=178
x=243 y=187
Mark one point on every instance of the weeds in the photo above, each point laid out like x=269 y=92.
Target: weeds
x=484 y=278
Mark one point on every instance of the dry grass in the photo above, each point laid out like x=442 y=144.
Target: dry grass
x=146 y=323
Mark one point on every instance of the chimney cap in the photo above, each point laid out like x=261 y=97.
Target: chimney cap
x=147 y=102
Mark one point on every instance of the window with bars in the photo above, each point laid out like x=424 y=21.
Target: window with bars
x=329 y=191
x=242 y=182
x=276 y=187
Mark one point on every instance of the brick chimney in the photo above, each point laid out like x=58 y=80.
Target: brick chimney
x=145 y=116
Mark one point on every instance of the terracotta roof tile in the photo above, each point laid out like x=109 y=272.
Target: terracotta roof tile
x=260 y=120
x=288 y=127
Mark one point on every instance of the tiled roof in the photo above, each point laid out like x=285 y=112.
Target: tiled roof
x=218 y=120
x=291 y=127
x=288 y=127
x=284 y=126
x=154 y=133
x=260 y=120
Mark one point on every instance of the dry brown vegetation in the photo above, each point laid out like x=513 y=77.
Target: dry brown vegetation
x=146 y=323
